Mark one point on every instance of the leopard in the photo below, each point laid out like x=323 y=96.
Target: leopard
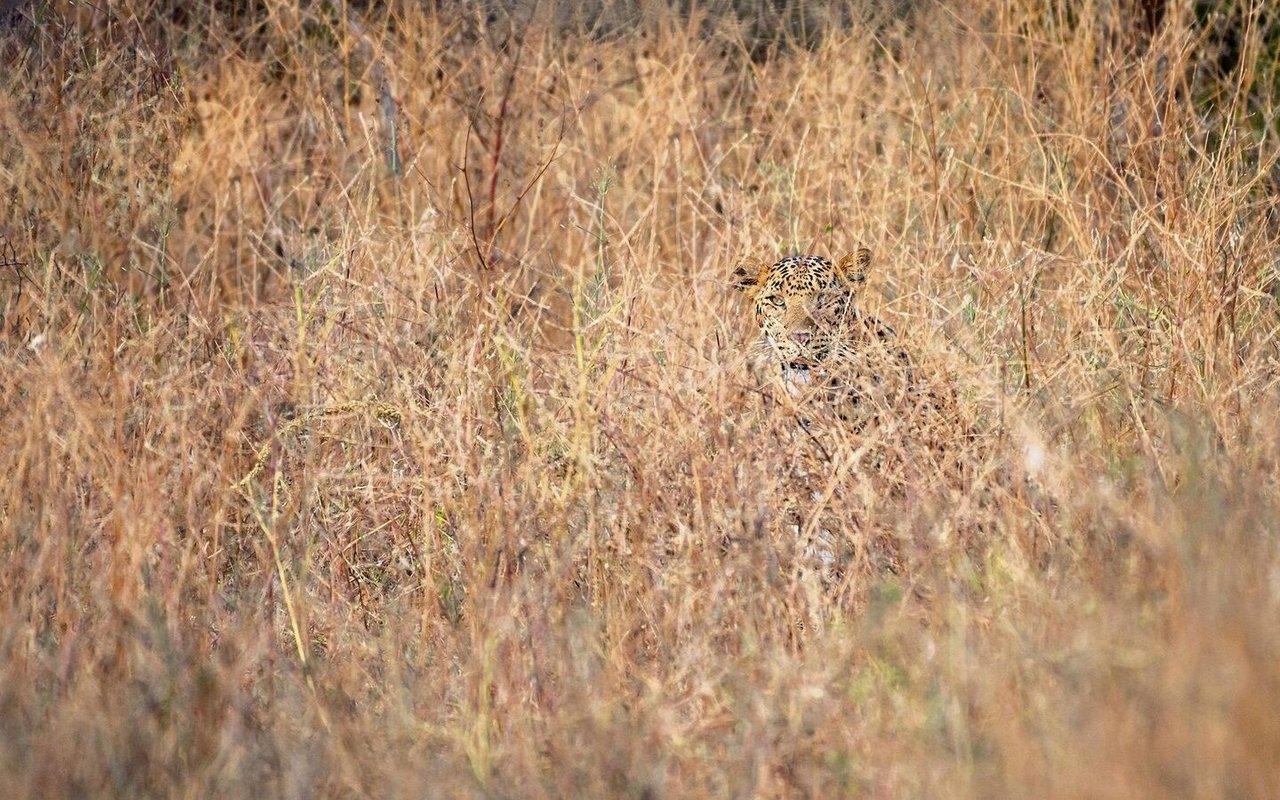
x=811 y=327
x=865 y=414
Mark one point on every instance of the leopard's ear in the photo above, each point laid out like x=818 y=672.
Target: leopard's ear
x=853 y=267
x=748 y=275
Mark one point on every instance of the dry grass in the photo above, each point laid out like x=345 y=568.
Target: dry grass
x=376 y=420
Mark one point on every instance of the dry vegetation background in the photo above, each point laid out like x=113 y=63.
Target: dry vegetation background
x=376 y=418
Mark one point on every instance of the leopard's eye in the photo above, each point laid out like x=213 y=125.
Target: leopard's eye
x=775 y=300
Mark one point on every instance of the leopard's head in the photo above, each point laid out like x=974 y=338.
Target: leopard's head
x=804 y=305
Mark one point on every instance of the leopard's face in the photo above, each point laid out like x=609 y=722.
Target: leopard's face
x=804 y=306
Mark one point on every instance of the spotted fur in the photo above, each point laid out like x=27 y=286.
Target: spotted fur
x=845 y=366
x=812 y=329
x=895 y=428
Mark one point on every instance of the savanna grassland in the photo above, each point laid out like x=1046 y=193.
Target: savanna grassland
x=377 y=419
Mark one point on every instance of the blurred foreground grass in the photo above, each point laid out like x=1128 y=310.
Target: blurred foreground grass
x=376 y=420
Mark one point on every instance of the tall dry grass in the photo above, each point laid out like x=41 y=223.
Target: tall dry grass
x=376 y=418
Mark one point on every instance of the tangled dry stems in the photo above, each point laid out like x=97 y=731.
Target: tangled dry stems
x=542 y=562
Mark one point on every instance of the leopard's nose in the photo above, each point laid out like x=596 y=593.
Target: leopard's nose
x=801 y=338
